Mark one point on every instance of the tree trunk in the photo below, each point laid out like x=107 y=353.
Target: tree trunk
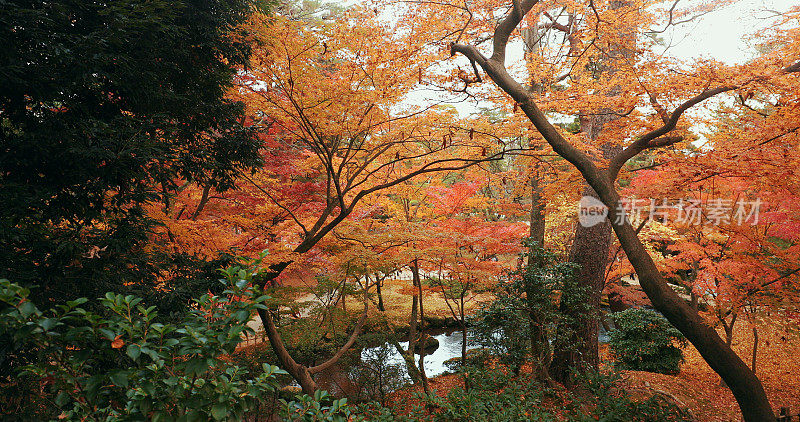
x=540 y=344
x=417 y=282
x=408 y=355
x=590 y=252
x=755 y=348
x=301 y=373
x=744 y=385
x=378 y=283
x=297 y=371
x=728 y=328
x=742 y=381
x=408 y=358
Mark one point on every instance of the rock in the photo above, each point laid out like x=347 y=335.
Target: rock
x=428 y=343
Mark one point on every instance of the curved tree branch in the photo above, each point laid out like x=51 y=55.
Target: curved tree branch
x=647 y=140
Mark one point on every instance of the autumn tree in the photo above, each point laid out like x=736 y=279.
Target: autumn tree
x=639 y=132
x=735 y=218
x=328 y=99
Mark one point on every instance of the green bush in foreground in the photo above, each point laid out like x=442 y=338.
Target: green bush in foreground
x=121 y=364
x=643 y=340
x=501 y=397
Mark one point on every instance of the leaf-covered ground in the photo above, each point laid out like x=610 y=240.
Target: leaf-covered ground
x=777 y=365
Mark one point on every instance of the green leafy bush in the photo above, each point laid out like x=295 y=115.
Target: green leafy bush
x=499 y=396
x=122 y=364
x=643 y=340
x=320 y=407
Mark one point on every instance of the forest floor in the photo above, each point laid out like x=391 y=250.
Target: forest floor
x=697 y=387
x=397 y=301
x=777 y=365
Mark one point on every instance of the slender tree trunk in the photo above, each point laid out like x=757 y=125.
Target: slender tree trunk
x=408 y=355
x=297 y=371
x=378 y=284
x=728 y=328
x=301 y=373
x=755 y=348
x=408 y=358
x=418 y=283
x=463 y=323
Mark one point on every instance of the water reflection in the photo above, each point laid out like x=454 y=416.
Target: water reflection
x=449 y=347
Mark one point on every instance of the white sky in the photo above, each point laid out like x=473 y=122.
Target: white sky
x=723 y=34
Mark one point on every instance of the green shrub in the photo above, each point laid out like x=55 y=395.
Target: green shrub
x=502 y=327
x=499 y=396
x=643 y=340
x=494 y=396
x=122 y=364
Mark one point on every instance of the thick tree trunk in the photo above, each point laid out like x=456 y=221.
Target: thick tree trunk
x=578 y=350
x=408 y=358
x=590 y=247
x=539 y=339
x=590 y=252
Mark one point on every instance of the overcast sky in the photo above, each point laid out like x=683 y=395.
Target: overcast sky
x=723 y=34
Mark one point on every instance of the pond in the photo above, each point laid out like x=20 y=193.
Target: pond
x=449 y=347
x=385 y=362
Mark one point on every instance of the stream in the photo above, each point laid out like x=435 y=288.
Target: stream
x=449 y=347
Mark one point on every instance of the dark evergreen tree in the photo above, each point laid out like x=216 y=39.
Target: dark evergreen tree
x=103 y=107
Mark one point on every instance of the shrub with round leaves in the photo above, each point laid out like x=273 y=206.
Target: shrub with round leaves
x=121 y=363
x=643 y=340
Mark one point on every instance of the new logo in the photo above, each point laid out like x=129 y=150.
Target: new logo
x=591 y=211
